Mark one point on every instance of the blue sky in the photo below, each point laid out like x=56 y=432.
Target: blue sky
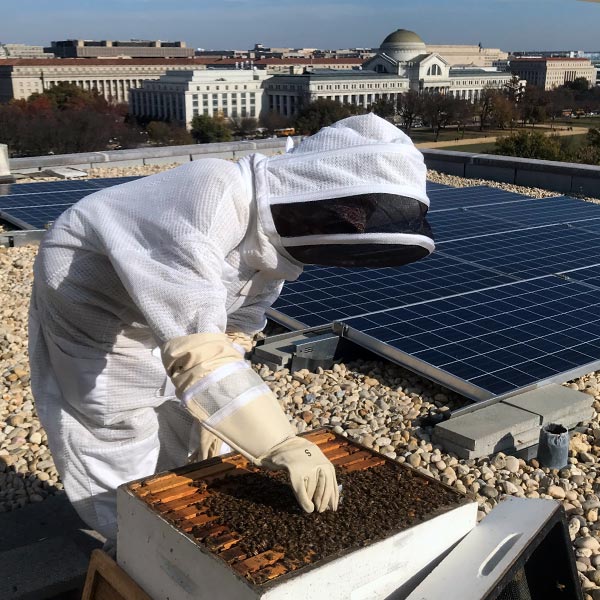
x=507 y=24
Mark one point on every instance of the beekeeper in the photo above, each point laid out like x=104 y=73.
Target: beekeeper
x=146 y=296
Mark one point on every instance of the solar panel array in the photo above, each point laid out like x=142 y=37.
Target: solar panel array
x=509 y=300
x=35 y=205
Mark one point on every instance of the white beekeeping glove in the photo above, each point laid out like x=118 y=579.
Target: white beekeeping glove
x=311 y=474
x=232 y=401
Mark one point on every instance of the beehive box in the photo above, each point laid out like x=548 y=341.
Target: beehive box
x=223 y=529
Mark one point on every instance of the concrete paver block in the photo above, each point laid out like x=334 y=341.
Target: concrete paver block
x=487 y=426
x=66 y=172
x=508 y=444
x=553 y=403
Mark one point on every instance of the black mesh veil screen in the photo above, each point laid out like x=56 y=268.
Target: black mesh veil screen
x=517 y=589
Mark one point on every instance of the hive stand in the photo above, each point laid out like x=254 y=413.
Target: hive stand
x=107 y=581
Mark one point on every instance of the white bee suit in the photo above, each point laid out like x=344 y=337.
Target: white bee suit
x=186 y=261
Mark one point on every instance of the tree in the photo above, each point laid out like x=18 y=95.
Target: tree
x=161 y=133
x=384 y=108
x=588 y=154
x=502 y=112
x=206 y=129
x=439 y=111
x=63 y=120
x=593 y=138
x=484 y=106
x=534 y=105
x=580 y=84
x=530 y=144
x=410 y=106
x=65 y=96
x=463 y=114
x=244 y=126
x=273 y=120
x=323 y=112
x=513 y=89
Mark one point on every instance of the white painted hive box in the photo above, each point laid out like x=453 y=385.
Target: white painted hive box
x=160 y=524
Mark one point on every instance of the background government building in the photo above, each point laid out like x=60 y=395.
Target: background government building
x=401 y=64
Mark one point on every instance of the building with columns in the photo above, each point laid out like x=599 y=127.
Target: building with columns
x=114 y=77
x=113 y=49
x=468 y=55
x=23 y=51
x=402 y=64
x=111 y=77
x=179 y=96
x=286 y=93
x=551 y=72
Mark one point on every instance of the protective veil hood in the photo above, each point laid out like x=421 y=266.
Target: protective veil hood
x=351 y=195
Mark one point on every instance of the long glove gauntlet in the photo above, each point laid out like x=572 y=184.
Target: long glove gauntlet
x=234 y=403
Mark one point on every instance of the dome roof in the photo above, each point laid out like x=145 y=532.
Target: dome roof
x=403 y=36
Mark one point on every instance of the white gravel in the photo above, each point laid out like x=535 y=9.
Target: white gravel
x=373 y=402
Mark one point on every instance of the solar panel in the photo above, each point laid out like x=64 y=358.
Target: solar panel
x=452 y=198
x=501 y=306
x=11 y=189
x=528 y=253
x=326 y=294
x=35 y=200
x=34 y=218
x=544 y=211
x=587 y=275
x=463 y=224
x=34 y=205
x=495 y=341
x=431 y=186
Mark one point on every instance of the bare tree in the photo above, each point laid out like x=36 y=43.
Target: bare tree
x=410 y=107
x=439 y=111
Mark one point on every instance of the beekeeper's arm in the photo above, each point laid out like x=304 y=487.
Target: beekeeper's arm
x=172 y=270
x=232 y=401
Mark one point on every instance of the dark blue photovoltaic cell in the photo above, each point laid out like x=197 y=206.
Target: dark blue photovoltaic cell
x=451 y=198
x=499 y=339
x=431 y=186
x=326 y=294
x=463 y=224
x=10 y=189
x=37 y=217
x=504 y=302
x=588 y=275
x=530 y=252
x=468 y=223
x=37 y=204
x=8 y=203
x=544 y=211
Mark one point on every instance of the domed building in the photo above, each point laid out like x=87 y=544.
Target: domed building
x=401 y=64
x=404 y=53
x=402 y=45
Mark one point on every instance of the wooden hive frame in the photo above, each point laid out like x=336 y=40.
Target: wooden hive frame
x=178 y=497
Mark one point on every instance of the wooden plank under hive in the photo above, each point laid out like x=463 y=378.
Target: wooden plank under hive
x=217 y=505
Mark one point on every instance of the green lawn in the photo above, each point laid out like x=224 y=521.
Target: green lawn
x=424 y=134
x=589 y=122
x=577 y=140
